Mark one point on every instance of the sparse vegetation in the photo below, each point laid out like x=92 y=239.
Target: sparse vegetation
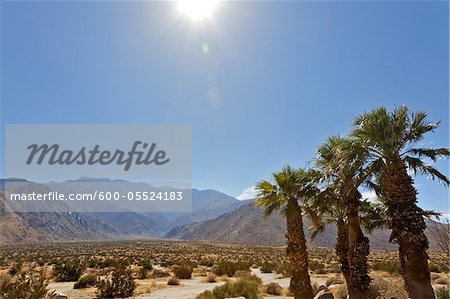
x=25 y=286
x=229 y=268
x=86 y=281
x=392 y=267
x=240 y=287
x=120 y=283
x=442 y=293
x=69 y=270
x=183 y=271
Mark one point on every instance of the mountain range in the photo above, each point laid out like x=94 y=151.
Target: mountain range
x=215 y=217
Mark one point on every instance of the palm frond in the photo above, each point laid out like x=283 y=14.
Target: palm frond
x=419 y=167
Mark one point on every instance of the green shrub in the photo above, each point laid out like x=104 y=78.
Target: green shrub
x=142 y=273
x=438 y=268
x=315 y=265
x=183 y=271
x=240 y=287
x=86 y=281
x=69 y=270
x=146 y=264
x=25 y=286
x=284 y=269
x=248 y=276
x=119 y=285
x=230 y=268
x=267 y=267
x=393 y=267
x=442 y=293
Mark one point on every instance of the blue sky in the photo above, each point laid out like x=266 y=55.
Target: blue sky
x=261 y=83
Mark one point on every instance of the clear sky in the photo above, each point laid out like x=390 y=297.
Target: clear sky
x=262 y=83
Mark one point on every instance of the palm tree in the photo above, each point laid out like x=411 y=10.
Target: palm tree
x=390 y=138
x=342 y=163
x=288 y=194
x=330 y=210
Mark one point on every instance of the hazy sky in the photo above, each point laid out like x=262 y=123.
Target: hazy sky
x=262 y=83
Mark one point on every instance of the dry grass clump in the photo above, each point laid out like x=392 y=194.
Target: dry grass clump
x=248 y=276
x=183 y=271
x=25 y=286
x=230 y=268
x=86 y=281
x=120 y=284
x=273 y=288
x=211 y=278
x=442 y=292
x=381 y=288
x=173 y=281
x=238 y=288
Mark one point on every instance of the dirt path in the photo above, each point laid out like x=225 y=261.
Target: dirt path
x=188 y=289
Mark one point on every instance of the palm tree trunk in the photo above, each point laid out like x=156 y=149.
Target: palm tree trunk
x=341 y=249
x=296 y=251
x=358 y=246
x=408 y=226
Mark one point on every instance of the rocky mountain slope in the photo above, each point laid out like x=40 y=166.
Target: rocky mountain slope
x=247 y=225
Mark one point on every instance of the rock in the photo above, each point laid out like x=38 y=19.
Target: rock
x=60 y=296
x=324 y=294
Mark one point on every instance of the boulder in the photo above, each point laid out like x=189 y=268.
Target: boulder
x=60 y=296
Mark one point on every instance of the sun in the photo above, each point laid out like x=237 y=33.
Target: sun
x=197 y=9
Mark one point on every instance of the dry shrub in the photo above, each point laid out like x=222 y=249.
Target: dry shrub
x=159 y=273
x=86 y=281
x=273 y=288
x=238 y=288
x=340 y=292
x=248 y=276
x=174 y=281
x=120 y=285
x=183 y=271
x=381 y=288
x=211 y=278
x=25 y=286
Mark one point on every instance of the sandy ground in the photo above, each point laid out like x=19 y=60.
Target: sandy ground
x=187 y=290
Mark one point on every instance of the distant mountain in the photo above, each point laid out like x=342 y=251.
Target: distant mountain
x=62 y=225
x=130 y=224
x=206 y=205
x=247 y=225
x=19 y=227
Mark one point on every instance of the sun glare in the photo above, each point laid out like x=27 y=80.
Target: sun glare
x=197 y=9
